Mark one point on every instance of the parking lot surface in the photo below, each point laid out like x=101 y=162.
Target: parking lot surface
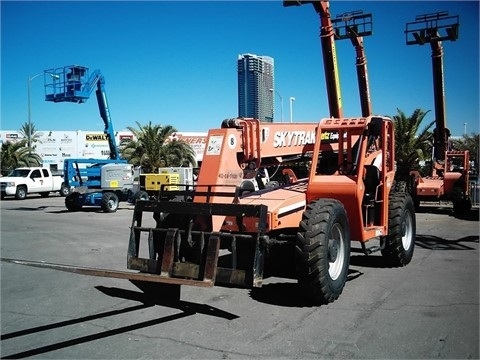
x=428 y=309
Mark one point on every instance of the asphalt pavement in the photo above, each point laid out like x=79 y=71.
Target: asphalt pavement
x=426 y=310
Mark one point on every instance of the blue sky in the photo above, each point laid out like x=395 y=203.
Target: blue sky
x=174 y=63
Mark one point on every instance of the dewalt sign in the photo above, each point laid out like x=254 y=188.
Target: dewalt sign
x=96 y=137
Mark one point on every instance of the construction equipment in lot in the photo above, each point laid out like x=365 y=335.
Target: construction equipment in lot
x=231 y=233
x=150 y=184
x=276 y=199
x=449 y=173
x=251 y=202
x=96 y=182
x=345 y=197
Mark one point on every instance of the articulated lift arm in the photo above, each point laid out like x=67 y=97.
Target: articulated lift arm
x=72 y=84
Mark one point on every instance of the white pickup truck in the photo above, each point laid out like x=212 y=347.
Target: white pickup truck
x=32 y=180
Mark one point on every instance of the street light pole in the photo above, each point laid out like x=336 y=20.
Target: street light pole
x=29 y=135
x=292 y=99
x=281 y=102
x=464 y=128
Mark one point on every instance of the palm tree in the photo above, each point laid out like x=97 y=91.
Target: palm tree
x=152 y=150
x=29 y=132
x=411 y=144
x=177 y=153
x=17 y=154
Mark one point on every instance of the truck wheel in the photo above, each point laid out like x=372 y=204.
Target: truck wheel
x=45 y=194
x=323 y=250
x=110 y=202
x=400 y=241
x=21 y=193
x=71 y=202
x=141 y=195
x=461 y=204
x=64 y=190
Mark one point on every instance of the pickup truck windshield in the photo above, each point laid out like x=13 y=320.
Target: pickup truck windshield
x=19 y=173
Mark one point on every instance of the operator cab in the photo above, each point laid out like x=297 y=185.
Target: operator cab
x=350 y=165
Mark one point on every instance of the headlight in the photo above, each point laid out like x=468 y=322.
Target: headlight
x=8 y=183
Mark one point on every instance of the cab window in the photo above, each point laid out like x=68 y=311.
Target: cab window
x=36 y=174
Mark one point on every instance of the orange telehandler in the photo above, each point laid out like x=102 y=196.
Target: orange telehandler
x=449 y=173
x=247 y=203
x=306 y=188
x=276 y=198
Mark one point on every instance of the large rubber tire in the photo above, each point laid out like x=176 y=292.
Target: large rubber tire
x=71 y=202
x=400 y=241
x=461 y=204
x=21 y=193
x=64 y=190
x=402 y=186
x=141 y=195
x=110 y=202
x=323 y=250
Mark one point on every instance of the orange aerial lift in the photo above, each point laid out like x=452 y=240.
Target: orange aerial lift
x=449 y=175
x=276 y=198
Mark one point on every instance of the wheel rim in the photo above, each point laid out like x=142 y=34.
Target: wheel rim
x=336 y=252
x=112 y=204
x=407 y=234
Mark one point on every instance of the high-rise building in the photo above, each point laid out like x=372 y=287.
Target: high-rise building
x=255 y=87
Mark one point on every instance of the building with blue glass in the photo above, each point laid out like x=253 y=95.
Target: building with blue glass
x=255 y=87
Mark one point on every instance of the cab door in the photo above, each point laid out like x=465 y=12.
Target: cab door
x=47 y=180
x=37 y=183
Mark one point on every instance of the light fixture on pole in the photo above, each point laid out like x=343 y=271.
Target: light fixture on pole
x=292 y=99
x=29 y=135
x=281 y=102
